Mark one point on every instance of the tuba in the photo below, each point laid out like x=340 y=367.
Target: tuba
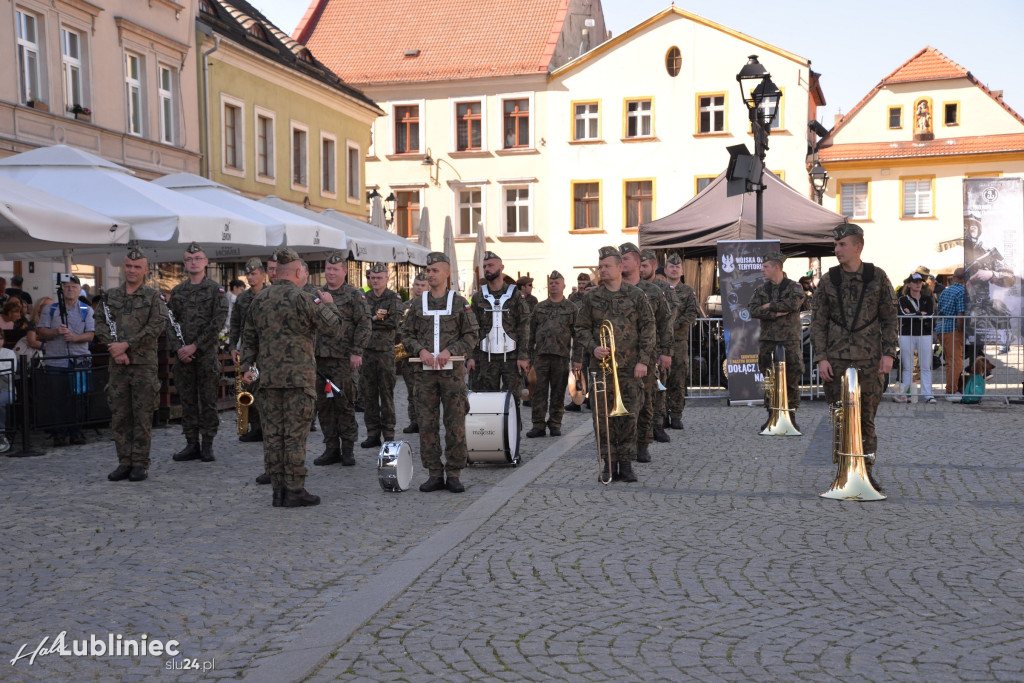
x=852 y=482
x=243 y=399
x=781 y=421
x=600 y=388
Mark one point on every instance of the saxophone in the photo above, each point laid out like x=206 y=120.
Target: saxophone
x=243 y=399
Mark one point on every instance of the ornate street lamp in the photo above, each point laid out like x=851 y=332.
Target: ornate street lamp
x=819 y=179
x=389 y=205
x=763 y=99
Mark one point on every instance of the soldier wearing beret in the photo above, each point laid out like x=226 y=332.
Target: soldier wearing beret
x=855 y=326
x=129 y=321
x=525 y=284
x=256 y=275
x=419 y=285
x=777 y=303
x=627 y=309
x=661 y=359
x=440 y=327
x=378 y=371
x=682 y=324
x=278 y=339
x=649 y=272
x=582 y=285
x=199 y=307
x=551 y=330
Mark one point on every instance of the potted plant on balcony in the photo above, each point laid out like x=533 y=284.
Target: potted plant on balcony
x=37 y=103
x=81 y=113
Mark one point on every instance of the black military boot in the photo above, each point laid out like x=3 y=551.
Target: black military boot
x=371 y=442
x=871 y=477
x=138 y=473
x=555 y=431
x=572 y=408
x=626 y=472
x=330 y=455
x=348 y=458
x=206 y=454
x=255 y=434
x=278 y=499
x=189 y=452
x=121 y=473
x=454 y=485
x=263 y=480
x=433 y=483
x=642 y=454
x=298 y=499
x=767 y=420
x=677 y=423
x=535 y=432
x=412 y=429
x=660 y=435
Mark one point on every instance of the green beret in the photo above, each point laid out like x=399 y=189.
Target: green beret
x=135 y=253
x=674 y=259
x=774 y=256
x=337 y=256
x=438 y=257
x=845 y=230
x=627 y=248
x=648 y=255
x=555 y=275
x=253 y=264
x=490 y=255
x=605 y=252
x=422 y=276
x=193 y=248
x=285 y=255
x=379 y=268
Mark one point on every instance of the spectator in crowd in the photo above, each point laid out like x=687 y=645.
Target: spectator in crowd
x=807 y=284
x=8 y=366
x=936 y=286
x=16 y=290
x=950 y=328
x=34 y=342
x=916 y=312
x=14 y=321
x=235 y=287
x=85 y=297
x=3 y=290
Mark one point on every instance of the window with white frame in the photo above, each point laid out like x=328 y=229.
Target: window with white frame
x=234 y=139
x=265 y=145
x=300 y=151
x=29 y=80
x=328 y=164
x=470 y=210
x=468 y=126
x=407 y=129
x=133 y=93
x=71 y=66
x=165 y=92
x=354 y=181
x=711 y=113
x=853 y=199
x=517 y=209
x=585 y=116
x=639 y=123
x=515 y=118
x=917 y=198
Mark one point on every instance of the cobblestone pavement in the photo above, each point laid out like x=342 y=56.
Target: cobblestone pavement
x=721 y=564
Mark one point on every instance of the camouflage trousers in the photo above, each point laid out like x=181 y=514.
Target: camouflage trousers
x=623 y=429
x=410 y=390
x=645 y=419
x=337 y=415
x=132 y=392
x=496 y=374
x=872 y=386
x=287 y=414
x=434 y=389
x=552 y=378
x=794 y=369
x=197 y=384
x=378 y=387
x=678 y=378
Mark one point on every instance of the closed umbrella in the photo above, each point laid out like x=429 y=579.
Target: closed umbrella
x=377 y=219
x=423 y=231
x=449 y=251
x=478 y=256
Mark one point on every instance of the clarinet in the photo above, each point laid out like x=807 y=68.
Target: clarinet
x=175 y=326
x=110 y=320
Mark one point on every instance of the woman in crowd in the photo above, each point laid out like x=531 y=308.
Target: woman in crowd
x=916 y=313
x=34 y=342
x=14 y=322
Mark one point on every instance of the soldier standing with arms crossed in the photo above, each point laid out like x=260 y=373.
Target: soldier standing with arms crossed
x=378 y=373
x=626 y=308
x=199 y=306
x=504 y=333
x=338 y=354
x=855 y=325
x=138 y=315
x=278 y=339
x=777 y=303
x=440 y=327
x=551 y=330
x=661 y=357
x=419 y=285
x=685 y=316
x=257 y=278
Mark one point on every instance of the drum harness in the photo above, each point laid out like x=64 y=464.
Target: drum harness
x=497 y=340
x=437 y=318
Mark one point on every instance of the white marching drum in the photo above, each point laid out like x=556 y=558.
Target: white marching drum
x=492 y=428
x=394 y=466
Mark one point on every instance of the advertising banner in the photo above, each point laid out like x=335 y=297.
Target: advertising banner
x=994 y=257
x=739 y=273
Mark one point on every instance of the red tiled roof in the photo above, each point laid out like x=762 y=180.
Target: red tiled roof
x=980 y=144
x=367 y=42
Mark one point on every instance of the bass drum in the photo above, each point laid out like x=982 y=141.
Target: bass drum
x=492 y=428
x=394 y=466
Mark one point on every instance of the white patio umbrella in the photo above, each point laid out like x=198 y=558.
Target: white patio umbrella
x=362 y=242
x=449 y=251
x=161 y=219
x=423 y=230
x=377 y=219
x=282 y=227
x=478 y=256
x=401 y=249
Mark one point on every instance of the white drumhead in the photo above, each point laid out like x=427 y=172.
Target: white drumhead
x=512 y=429
x=403 y=470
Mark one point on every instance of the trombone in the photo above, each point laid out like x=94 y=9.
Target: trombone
x=606 y=338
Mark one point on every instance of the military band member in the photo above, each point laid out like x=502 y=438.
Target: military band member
x=200 y=307
x=649 y=272
x=256 y=275
x=583 y=283
x=441 y=326
x=855 y=325
x=525 y=285
x=504 y=332
x=419 y=285
x=627 y=309
x=682 y=324
x=278 y=339
x=660 y=359
x=338 y=355
x=551 y=331
x=138 y=315
x=378 y=371
x=777 y=303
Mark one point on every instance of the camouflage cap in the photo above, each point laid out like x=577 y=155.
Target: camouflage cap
x=524 y=280
x=923 y=270
x=438 y=257
x=135 y=253
x=845 y=230
x=583 y=277
x=336 y=256
x=674 y=258
x=648 y=255
x=490 y=254
x=555 y=275
x=285 y=255
x=775 y=256
x=605 y=252
x=378 y=268
x=253 y=264
x=627 y=247
x=193 y=248
x=421 y=276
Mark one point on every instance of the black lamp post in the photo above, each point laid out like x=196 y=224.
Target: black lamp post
x=389 y=205
x=763 y=99
x=819 y=179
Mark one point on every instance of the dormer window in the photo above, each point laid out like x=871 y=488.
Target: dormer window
x=206 y=6
x=306 y=56
x=257 y=32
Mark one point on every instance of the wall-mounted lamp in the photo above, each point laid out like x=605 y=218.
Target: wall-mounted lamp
x=435 y=168
x=389 y=205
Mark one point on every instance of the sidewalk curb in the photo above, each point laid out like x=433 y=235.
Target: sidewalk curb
x=320 y=638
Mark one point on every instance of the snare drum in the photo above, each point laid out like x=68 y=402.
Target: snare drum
x=492 y=428
x=394 y=466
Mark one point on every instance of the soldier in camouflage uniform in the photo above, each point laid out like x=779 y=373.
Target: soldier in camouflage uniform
x=278 y=338
x=777 y=304
x=200 y=307
x=441 y=326
x=138 y=315
x=525 y=285
x=855 y=325
x=583 y=283
x=662 y=359
x=338 y=354
x=648 y=272
x=496 y=365
x=551 y=330
x=419 y=285
x=378 y=371
x=627 y=309
x=685 y=315
x=257 y=277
